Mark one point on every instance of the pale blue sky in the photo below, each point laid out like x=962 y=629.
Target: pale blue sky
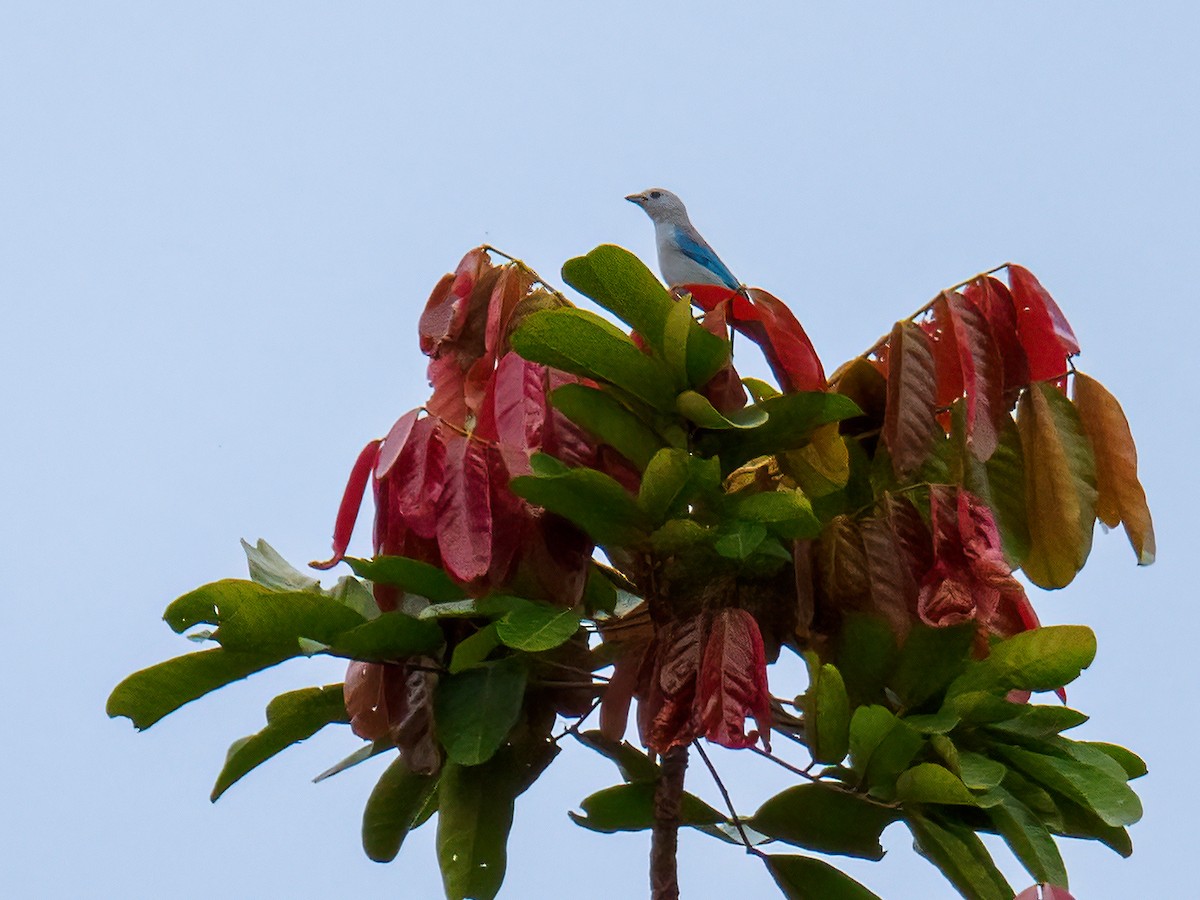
x=218 y=223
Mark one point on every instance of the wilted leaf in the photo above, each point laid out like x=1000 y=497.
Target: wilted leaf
x=1120 y=497
x=291 y=718
x=1060 y=486
x=824 y=818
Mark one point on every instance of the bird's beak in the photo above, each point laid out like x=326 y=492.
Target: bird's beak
x=636 y=198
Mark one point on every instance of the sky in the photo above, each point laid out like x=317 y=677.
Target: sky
x=219 y=223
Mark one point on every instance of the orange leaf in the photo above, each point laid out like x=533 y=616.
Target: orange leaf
x=1121 y=497
x=909 y=421
x=1060 y=486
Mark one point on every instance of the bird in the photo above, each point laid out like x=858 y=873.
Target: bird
x=684 y=257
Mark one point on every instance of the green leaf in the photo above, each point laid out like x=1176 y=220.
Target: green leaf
x=699 y=409
x=633 y=763
x=476 y=709
x=1039 y=722
x=291 y=718
x=630 y=807
x=583 y=343
x=475 y=813
x=1093 y=788
x=361 y=755
x=960 y=856
x=866 y=655
x=603 y=415
x=678 y=535
x=592 y=500
x=473 y=650
x=826 y=712
x=978 y=771
x=792 y=418
x=533 y=627
x=760 y=390
x=675 y=340
x=1029 y=840
x=805 y=878
x=931 y=783
x=621 y=283
x=827 y=819
x=146 y=696
x=272 y=571
x=663 y=488
x=392 y=636
x=788 y=513
x=394 y=809
x=739 y=540
x=1000 y=483
x=930 y=660
x=410 y=575
x=1130 y=762
x=253 y=618
x=881 y=747
x=1041 y=659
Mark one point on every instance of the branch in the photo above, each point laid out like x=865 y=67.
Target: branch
x=664 y=840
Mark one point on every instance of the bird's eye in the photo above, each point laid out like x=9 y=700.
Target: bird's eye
x=654 y=195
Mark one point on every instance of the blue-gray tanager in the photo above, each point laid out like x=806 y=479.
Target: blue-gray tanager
x=684 y=257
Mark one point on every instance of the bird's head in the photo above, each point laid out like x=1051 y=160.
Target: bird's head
x=660 y=205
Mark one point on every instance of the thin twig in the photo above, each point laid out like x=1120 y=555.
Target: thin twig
x=803 y=773
x=573 y=729
x=532 y=273
x=737 y=821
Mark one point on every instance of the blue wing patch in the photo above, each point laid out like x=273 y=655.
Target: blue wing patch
x=703 y=255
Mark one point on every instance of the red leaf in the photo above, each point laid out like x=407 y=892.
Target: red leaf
x=992 y=298
x=448 y=400
x=733 y=682
x=510 y=287
x=982 y=374
x=447 y=307
x=665 y=713
x=519 y=406
x=562 y=437
x=707 y=296
x=1045 y=334
x=947 y=364
x=464 y=509
x=510 y=519
x=389 y=451
x=724 y=390
x=910 y=422
x=347 y=513
x=418 y=476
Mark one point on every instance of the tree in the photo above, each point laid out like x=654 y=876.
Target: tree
x=870 y=522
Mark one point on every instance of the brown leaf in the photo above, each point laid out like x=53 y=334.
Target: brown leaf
x=910 y=421
x=982 y=374
x=1120 y=494
x=893 y=584
x=1060 y=486
x=841 y=565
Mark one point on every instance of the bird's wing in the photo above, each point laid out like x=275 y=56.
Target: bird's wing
x=696 y=248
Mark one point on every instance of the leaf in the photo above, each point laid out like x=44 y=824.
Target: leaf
x=978 y=771
x=697 y=408
x=960 y=856
x=1047 y=338
x=464 y=529
x=982 y=372
x=823 y=465
x=931 y=783
x=791 y=421
x=393 y=444
x=584 y=344
x=347 y=512
x=740 y=539
x=826 y=819
x=534 y=627
x=805 y=878
x=272 y=571
x=866 y=655
x=146 y=696
x=476 y=709
x=1029 y=840
x=767 y=321
x=1120 y=497
x=361 y=755
x=592 y=500
x=1093 y=788
x=633 y=763
x=1060 y=486
x=1041 y=659
x=410 y=575
x=291 y=718
x=826 y=712
x=1130 y=762
x=881 y=747
x=622 y=284
x=788 y=513
x=732 y=685
x=1040 y=722
x=910 y=423
x=394 y=808
x=1000 y=483
x=993 y=299
x=473 y=650
x=630 y=807
x=930 y=660
x=392 y=636
x=603 y=415
x=663 y=484
x=475 y=813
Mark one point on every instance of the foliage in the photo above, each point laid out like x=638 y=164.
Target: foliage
x=871 y=522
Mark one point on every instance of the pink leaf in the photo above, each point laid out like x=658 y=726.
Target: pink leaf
x=347 y=513
x=464 y=509
x=733 y=682
x=389 y=451
x=419 y=476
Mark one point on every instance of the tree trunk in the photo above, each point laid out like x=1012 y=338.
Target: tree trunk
x=664 y=872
